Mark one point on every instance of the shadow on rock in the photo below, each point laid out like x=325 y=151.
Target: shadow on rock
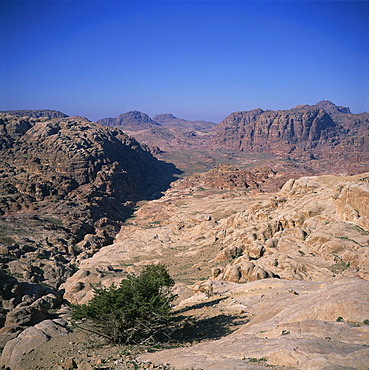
x=209 y=328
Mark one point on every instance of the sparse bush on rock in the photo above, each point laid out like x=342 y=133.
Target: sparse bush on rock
x=134 y=311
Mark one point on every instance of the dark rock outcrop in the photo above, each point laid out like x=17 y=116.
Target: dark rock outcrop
x=75 y=159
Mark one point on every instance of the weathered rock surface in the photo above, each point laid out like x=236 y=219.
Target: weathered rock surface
x=22 y=305
x=307 y=231
x=313 y=228
x=228 y=177
x=296 y=324
x=295 y=264
x=28 y=340
x=319 y=131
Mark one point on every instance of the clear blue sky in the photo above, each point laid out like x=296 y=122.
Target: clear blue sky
x=195 y=59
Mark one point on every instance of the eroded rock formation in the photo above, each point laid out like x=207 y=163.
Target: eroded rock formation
x=318 y=131
x=313 y=229
x=66 y=184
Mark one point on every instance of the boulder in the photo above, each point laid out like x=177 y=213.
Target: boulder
x=28 y=340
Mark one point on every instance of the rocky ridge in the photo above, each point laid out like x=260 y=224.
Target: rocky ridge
x=167 y=119
x=66 y=185
x=73 y=157
x=230 y=177
x=37 y=113
x=318 y=131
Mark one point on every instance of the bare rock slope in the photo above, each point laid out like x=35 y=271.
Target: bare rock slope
x=295 y=263
x=292 y=325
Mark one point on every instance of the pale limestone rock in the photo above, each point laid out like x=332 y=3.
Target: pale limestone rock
x=292 y=324
x=298 y=234
x=27 y=341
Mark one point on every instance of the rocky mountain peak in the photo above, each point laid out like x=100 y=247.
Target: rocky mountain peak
x=259 y=130
x=164 y=118
x=135 y=117
x=330 y=107
x=130 y=119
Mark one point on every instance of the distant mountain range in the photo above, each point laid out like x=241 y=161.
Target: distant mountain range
x=133 y=120
x=322 y=130
x=137 y=120
x=163 y=132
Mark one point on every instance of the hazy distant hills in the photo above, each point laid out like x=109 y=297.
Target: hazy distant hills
x=164 y=131
x=167 y=119
x=138 y=120
x=323 y=130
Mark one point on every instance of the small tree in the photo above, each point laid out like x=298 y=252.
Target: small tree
x=135 y=310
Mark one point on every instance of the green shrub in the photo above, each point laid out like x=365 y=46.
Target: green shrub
x=135 y=310
x=258 y=360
